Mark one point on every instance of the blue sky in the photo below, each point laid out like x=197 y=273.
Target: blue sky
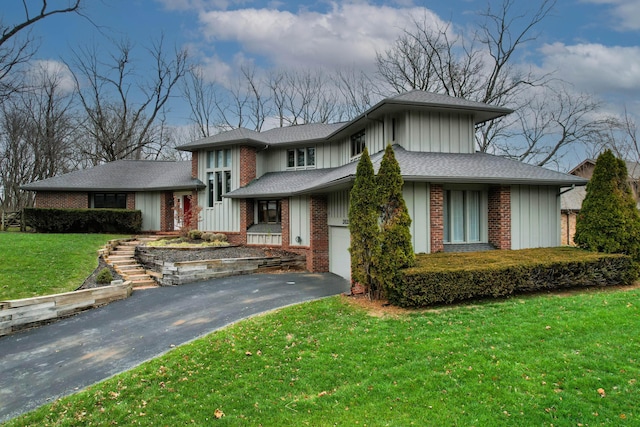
x=592 y=44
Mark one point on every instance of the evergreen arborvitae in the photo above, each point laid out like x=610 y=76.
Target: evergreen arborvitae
x=608 y=220
x=363 y=225
x=396 y=248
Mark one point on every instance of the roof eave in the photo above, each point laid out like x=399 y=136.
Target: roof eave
x=495 y=180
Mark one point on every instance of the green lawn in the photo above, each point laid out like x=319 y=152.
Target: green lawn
x=527 y=361
x=42 y=264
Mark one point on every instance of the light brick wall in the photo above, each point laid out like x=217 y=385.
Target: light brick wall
x=500 y=217
x=568 y=227
x=436 y=213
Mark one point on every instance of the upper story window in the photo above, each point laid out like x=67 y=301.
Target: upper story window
x=301 y=157
x=219 y=159
x=218 y=175
x=357 y=143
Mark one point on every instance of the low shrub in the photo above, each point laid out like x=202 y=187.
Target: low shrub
x=214 y=237
x=194 y=234
x=104 y=277
x=446 y=278
x=46 y=220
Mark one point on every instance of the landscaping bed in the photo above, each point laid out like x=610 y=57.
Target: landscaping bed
x=178 y=266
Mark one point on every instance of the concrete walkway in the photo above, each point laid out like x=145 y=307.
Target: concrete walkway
x=40 y=365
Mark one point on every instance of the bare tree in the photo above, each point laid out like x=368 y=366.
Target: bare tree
x=621 y=138
x=356 y=92
x=122 y=106
x=38 y=135
x=551 y=121
x=201 y=97
x=483 y=67
x=303 y=96
x=17 y=46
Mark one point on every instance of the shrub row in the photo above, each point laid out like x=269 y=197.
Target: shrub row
x=83 y=220
x=437 y=284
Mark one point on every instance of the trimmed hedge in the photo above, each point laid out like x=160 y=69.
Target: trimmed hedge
x=83 y=220
x=446 y=278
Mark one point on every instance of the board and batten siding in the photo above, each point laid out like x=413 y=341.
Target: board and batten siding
x=436 y=132
x=299 y=221
x=416 y=197
x=338 y=209
x=224 y=215
x=149 y=205
x=535 y=217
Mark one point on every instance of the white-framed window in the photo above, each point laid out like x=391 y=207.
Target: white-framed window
x=301 y=158
x=218 y=175
x=463 y=216
x=357 y=143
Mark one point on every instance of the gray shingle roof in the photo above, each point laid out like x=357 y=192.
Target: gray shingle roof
x=123 y=175
x=321 y=131
x=283 y=135
x=443 y=168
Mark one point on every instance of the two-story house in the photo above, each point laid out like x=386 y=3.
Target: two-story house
x=289 y=187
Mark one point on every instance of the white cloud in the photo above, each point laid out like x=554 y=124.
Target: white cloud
x=52 y=71
x=627 y=12
x=595 y=67
x=346 y=35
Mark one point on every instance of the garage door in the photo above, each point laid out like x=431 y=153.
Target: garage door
x=339 y=257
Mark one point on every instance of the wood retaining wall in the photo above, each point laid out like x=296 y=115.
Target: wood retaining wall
x=18 y=314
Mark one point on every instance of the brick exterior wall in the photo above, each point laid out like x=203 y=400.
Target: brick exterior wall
x=166 y=211
x=318 y=253
x=436 y=214
x=284 y=218
x=61 y=200
x=500 y=217
x=131 y=201
x=194 y=165
x=247 y=165
x=568 y=227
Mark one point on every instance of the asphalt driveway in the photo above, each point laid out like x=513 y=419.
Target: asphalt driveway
x=40 y=365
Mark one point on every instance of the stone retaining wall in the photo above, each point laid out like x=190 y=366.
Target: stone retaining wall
x=18 y=314
x=179 y=273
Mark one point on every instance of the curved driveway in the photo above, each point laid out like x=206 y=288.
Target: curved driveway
x=45 y=363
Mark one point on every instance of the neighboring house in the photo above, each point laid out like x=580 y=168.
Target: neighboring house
x=289 y=187
x=572 y=198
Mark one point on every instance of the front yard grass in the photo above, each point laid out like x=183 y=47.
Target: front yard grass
x=538 y=360
x=43 y=264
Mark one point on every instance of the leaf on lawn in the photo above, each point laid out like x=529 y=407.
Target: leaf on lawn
x=248 y=353
x=601 y=392
x=218 y=414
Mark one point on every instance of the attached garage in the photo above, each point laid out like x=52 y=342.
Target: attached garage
x=339 y=256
